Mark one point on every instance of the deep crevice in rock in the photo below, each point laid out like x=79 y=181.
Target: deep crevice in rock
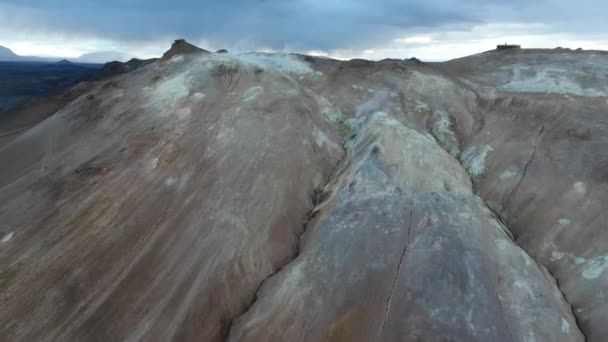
x=318 y=196
x=387 y=306
x=536 y=140
x=576 y=320
x=502 y=309
x=499 y=218
x=307 y=218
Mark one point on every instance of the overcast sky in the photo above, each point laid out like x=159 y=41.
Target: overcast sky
x=373 y=29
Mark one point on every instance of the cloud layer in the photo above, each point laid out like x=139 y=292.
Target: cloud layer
x=301 y=25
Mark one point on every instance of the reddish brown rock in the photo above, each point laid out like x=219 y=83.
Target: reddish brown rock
x=168 y=203
x=157 y=211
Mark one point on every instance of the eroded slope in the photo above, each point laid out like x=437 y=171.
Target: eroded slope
x=152 y=207
x=170 y=203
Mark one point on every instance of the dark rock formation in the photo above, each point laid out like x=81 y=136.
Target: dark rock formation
x=181 y=47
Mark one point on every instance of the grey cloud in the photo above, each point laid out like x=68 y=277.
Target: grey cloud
x=298 y=24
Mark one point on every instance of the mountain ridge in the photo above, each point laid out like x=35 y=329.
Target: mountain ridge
x=100 y=57
x=302 y=198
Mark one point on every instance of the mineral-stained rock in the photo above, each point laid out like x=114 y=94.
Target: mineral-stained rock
x=546 y=174
x=156 y=213
x=398 y=256
x=279 y=197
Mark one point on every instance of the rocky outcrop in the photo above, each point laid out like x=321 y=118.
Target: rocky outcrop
x=404 y=251
x=182 y=47
x=278 y=197
x=543 y=119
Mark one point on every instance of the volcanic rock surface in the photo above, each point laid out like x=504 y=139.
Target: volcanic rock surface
x=280 y=197
x=182 y=47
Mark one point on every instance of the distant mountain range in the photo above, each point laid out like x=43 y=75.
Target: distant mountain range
x=102 y=57
x=7 y=55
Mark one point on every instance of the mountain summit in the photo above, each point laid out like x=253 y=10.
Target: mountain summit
x=182 y=47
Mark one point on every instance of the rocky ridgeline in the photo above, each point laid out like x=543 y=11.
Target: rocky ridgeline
x=277 y=197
